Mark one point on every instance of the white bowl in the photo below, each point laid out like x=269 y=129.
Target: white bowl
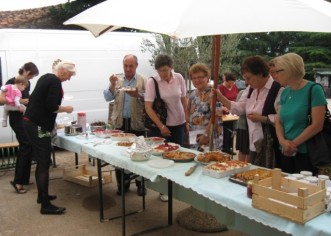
x=140 y=154
x=95 y=128
x=154 y=140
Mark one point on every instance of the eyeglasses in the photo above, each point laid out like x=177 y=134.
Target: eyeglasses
x=198 y=77
x=164 y=70
x=278 y=71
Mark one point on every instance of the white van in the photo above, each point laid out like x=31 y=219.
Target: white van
x=95 y=58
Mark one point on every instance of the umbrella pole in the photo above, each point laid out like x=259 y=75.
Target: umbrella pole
x=216 y=53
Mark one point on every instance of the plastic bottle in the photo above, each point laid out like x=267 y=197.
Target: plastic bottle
x=81 y=120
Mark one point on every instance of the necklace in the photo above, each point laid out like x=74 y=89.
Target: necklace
x=295 y=88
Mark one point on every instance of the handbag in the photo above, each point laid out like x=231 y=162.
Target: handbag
x=319 y=146
x=265 y=152
x=159 y=107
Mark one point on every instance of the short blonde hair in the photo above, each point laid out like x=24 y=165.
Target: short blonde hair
x=292 y=63
x=64 y=64
x=199 y=67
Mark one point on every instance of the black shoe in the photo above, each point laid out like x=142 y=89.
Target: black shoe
x=52 y=210
x=141 y=191
x=50 y=198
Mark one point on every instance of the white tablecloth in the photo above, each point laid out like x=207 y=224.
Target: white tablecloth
x=204 y=192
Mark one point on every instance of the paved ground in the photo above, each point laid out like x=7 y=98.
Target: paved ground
x=19 y=213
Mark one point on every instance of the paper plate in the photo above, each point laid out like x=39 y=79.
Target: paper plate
x=160 y=163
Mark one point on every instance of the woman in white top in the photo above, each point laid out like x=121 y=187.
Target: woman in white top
x=259 y=101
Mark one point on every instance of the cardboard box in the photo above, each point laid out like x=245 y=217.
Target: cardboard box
x=291 y=199
x=80 y=175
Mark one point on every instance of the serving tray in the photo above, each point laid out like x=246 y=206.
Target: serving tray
x=177 y=156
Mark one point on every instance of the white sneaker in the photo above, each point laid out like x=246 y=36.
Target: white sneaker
x=163 y=197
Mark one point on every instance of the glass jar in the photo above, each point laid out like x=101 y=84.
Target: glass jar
x=250 y=189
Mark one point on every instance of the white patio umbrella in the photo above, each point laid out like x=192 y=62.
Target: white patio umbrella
x=191 y=18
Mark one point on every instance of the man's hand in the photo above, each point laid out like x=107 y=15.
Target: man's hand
x=113 y=79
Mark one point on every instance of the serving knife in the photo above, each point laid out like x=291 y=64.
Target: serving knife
x=191 y=170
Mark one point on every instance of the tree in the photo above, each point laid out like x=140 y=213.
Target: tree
x=189 y=51
x=268 y=45
x=315 y=49
x=67 y=10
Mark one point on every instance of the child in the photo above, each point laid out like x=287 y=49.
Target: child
x=13 y=95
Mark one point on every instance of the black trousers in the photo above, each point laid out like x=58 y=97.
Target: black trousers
x=24 y=156
x=42 y=149
x=227 y=136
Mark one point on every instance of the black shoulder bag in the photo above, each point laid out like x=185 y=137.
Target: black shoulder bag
x=319 y=146
x=159 y=108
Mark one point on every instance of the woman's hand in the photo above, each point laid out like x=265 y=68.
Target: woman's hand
x=24 y=101
x=187 y=127
x=256 y=117
x=289 y=148
x=67 y=109
x=203 y=139
x=165 y=131
x=220 y=97
x=2 y=98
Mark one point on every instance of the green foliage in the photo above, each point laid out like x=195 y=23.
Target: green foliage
x=266 y=44
x=315 y=48
x=69 y=9
x=187 y=52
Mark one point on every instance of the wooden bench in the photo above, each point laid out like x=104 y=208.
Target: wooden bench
x=8 y=155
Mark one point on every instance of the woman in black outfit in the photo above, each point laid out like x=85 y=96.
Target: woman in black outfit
x=24 y=157
x=39 y=120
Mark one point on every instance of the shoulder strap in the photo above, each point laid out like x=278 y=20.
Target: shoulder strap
x=309 y=98
x=327 y=112
x=268 y=107
x=250 y=92
x=156 y=88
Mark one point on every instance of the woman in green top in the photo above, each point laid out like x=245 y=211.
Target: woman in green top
x=292 y=126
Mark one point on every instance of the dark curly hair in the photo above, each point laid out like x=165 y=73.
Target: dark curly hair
x=163 y=60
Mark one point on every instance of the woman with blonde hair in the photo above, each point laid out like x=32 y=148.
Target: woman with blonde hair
x=39 y=120
x=292 y=126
